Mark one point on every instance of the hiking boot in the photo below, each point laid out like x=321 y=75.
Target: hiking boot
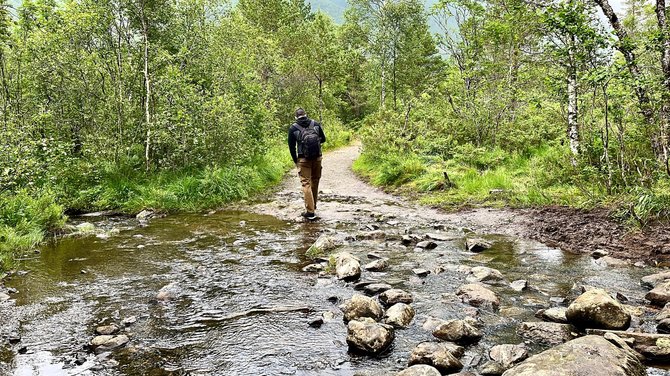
x=309 y=216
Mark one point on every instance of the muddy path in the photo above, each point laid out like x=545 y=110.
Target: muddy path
x=227 y=292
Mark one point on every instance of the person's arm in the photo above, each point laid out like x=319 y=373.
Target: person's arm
x=292 y=143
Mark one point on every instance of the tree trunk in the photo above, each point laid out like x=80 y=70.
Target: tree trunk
x=320 y=99
x=624 y=46
x=383 y=93
x=573 y=128
x=147 y=83
x=606 y=142
x=665 y=64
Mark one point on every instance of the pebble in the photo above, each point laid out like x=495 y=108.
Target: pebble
x=421 y=272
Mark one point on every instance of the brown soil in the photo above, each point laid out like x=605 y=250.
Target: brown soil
x=345 y=198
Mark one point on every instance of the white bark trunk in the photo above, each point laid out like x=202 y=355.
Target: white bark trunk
x=573 y=127
x=147 y=83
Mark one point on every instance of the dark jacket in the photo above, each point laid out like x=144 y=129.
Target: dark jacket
x=294 y=136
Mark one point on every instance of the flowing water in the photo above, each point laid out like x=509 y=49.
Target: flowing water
x=225 y=272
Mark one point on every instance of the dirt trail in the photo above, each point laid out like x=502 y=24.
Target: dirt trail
x=346 y=198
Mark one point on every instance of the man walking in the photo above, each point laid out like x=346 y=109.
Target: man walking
x=308 y=135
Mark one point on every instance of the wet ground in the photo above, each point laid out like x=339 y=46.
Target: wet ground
x=222 y=266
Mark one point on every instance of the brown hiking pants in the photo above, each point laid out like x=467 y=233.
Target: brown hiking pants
x=309 y=171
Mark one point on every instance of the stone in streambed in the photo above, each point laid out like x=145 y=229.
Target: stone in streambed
x=107 y=329
x=663 y=318
x=437 y=355
x=322 y=245
x=458 y=331
x=548 y=333
x=478 y=296
x=376 y=288
x=585 y=356
x=377 y=266
x=168 y=292
x=519 y=285
x=477 y=245
x=419 y=370
x=508 y=355
x=660 y=295
x=394 y=296
x=426 y=244
x=492 y=368
x=360 y=306
x=485 y=275
x=369 y=337
x=109 y=342
x=597 y=309
x=399 y=315
x=347 y=267
x=421 y=272
x=555 y=314
x=654 y=280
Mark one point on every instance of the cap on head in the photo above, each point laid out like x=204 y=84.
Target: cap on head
x=299 y=113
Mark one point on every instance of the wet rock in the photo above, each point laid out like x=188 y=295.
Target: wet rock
x=109 y=342
x=439 y=237
x=663 y=318
x=485 y=275
x=23 y=350
x=410 y=239
x=421 y=272
x=168 y=292
x=557 y=300
x=371 y=235
x=597 y=309
x=548 y=333
x=145 y=215
x=478 y=296
x=313 y=268
x=106 y=329
x=508 y=355
x=14 y=338
x=660 y=295
x=376 y=288
x=322 y=245
x=477 y=245
x=395 y=296
x=369 y=337
x=437 y=355
x=654 y=280
x=399 y=315
x=86 y=228
x=419 y=370
x=360 y=306
x=431 y=324
x=598 y=253
x=463 y=374
x=556 y=314
x=347 y=267
x=458 y=331
x=316 y=323
x=128 y=321
x=519 y=285
x=611 y=262
x=377 y=265
x=375 y=256
x=654 y=347
x=426 y=244
x=492 y=368
x=577 y=358
x=4 y=297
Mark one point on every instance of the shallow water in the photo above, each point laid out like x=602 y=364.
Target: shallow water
x=230 y=262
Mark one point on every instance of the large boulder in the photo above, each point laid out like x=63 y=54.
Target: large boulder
x=347 y=267
x=419 y=370
x=458 y=331
x=395 y=296
x=478 y=296
x=438 y=355
x=597 y=309
x=660 y=295
x=399 y=315
x=360 y=306
x=485 y=275
x=369 y=337
x=547 y=333
x=585 y=356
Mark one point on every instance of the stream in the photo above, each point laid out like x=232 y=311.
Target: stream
x=218 y=266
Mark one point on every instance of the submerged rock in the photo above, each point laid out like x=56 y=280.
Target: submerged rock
x=367 y=336
x=597 y=309
x=347 y=266
x=611 y=262
x=168 y=292
x=437 y=355
x=493 y=368
x=394 y=296
x=478 y=296
x=458 y=331
x=399 y=315
x=586 y=356
x=419 y=370
x=360 y=306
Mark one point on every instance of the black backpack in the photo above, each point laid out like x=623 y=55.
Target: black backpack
x=310 y=142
